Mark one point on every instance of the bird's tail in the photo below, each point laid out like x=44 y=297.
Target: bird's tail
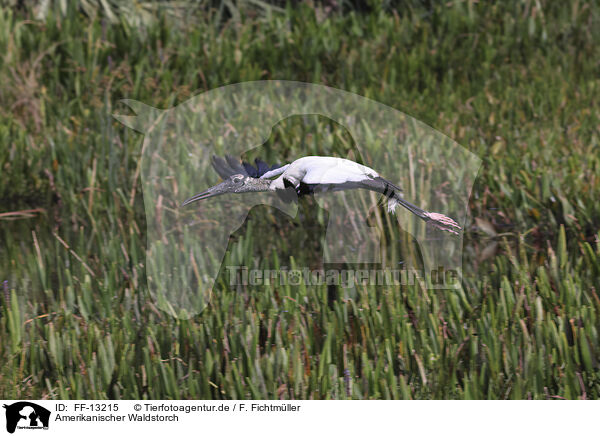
x=438 y=220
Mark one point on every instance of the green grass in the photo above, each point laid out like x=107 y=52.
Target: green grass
x=516 y=83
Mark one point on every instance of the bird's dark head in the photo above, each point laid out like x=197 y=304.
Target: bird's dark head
x=235 y=184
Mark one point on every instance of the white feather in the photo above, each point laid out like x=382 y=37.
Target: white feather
x=274 y=172
x=392 y=204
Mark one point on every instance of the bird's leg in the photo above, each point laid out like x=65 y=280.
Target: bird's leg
x=442 y=222
x=437 y=220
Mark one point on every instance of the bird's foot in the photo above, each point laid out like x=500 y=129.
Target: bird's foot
x=442 y=222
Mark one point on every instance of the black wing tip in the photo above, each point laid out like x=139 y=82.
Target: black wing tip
x=221 y=167
x=229 y=165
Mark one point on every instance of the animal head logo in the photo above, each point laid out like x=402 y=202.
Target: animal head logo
x=187 y=246
x=26 y=415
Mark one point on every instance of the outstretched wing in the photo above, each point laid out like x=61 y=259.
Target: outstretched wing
x=229 y=165
x=376 y=184
x=335 y=174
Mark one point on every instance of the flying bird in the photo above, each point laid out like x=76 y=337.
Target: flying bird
x=309 y=175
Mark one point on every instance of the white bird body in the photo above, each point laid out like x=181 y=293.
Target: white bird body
x=320 y=170
x=311 y=174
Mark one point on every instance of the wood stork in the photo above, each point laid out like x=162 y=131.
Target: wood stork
x=309 y=175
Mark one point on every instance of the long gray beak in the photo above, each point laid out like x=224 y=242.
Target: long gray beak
x=210 y=192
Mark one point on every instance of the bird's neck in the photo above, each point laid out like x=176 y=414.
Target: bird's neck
x=259 y=185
